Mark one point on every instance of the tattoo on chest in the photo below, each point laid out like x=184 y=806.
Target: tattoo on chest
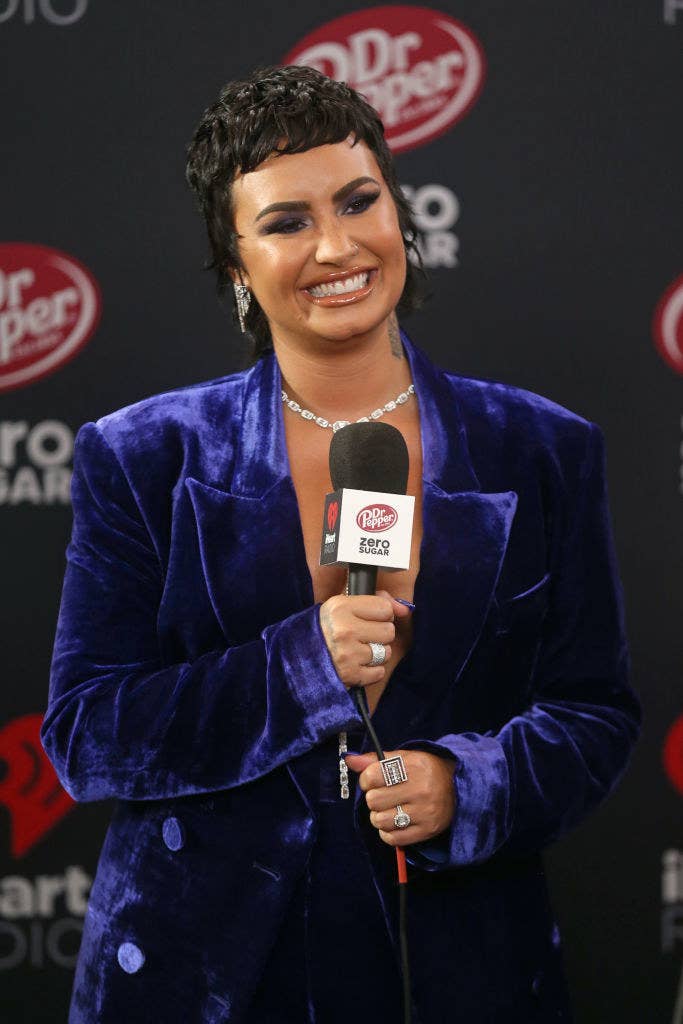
x=395 y=337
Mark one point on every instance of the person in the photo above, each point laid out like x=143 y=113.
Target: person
x=203 y=658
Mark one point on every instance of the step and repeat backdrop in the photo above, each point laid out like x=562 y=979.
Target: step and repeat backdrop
x=540 y=145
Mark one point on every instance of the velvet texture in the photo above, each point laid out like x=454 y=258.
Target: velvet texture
x=190 y=673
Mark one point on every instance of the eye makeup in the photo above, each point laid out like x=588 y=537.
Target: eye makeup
x=357 y=204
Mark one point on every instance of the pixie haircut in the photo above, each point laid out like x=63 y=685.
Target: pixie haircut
x=289 y=110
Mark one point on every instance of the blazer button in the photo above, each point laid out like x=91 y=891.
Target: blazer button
x=130 y=957
x=173 y=833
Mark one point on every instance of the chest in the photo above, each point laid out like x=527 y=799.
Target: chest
x=308 y=448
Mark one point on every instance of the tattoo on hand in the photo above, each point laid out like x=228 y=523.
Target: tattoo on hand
x=326 y=627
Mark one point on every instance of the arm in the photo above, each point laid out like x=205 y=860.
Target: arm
x=549 y=766
x=121 y=724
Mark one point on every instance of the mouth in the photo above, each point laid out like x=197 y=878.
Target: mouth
x=341 y=289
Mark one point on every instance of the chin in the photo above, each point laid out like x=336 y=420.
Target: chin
x=353 y=327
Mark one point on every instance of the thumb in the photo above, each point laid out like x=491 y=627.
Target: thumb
x=359 y=762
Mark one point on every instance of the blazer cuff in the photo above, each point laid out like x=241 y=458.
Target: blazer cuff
x=482 y=785
x=297 y=646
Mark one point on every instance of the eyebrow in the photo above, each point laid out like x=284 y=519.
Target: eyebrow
x=297 y=205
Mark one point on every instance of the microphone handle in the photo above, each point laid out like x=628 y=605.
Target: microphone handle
x=362 y=579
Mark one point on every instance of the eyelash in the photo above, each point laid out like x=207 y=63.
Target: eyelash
x=365 y=199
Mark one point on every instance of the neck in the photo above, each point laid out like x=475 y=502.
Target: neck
x=345 y=379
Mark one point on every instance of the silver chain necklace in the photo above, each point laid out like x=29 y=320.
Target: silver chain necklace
x=338 y=424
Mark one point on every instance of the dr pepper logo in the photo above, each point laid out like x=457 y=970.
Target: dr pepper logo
x=49 y=307
x=376 y=518
x=420 y=69
x=667 y=325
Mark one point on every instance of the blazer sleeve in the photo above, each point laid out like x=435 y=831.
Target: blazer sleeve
x=526 y=785
x=121 y=724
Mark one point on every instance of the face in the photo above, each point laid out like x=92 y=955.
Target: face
x=320 y=244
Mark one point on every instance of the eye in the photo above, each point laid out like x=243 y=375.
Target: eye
x=361 y=202
x=286 y=226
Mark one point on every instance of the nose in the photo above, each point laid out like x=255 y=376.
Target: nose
x=334 y=244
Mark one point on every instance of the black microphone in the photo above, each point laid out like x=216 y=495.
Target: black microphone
x=372 y=457
x=368 y=457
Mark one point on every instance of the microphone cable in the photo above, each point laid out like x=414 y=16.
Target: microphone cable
x=360 y=698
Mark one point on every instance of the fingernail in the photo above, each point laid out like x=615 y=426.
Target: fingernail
x=408 y=604
x=356 y=753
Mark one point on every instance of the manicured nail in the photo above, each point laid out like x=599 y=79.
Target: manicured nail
x=408 y=604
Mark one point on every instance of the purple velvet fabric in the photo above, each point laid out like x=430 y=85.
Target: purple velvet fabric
x=190 y=672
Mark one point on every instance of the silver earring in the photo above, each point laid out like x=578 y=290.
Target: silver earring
x=243 y=299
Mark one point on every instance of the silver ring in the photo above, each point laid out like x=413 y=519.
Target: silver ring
x=394 y=770
x=379 y=653
x=401 y=818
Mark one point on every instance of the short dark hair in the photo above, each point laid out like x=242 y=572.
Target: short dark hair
x=247 y=123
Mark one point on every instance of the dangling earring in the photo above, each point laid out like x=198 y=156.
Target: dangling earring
x=243 y=300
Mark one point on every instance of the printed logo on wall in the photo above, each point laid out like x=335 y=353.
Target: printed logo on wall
x=667 y=325
x=26 y=11
x=49 y=308
x=672 y=864
x=421 y=69
x=35 y=462
x=672 y=754
x=435 y=209
x=41 y=918
x=30 y=789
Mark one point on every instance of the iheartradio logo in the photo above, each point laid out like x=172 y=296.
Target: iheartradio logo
x=30 y=789
x=667 y=325
x=420 y=69
x=376 y=518
x=672 y=754
x=49 y=307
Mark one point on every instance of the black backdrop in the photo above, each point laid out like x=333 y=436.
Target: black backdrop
x=559 y=191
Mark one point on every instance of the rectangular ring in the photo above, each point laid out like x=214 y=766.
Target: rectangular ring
x=394 y=770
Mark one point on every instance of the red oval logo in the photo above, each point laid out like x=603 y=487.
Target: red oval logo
x=667 y=325
x=49 y=307
x=376 y=518
x=420 y=69
x=672 y=754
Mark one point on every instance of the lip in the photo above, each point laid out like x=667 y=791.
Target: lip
x=345 y=298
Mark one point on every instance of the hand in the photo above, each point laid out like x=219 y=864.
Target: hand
x=428 y=795
x=349 y=624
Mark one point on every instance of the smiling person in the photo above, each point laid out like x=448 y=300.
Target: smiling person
x=203 y=657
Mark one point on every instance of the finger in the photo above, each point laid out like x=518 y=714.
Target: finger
x=384 y=820
x=401 y=611
x=369 y=675
x=376 y=632
x=402 y=836
x=364 y=651
x=359 y=762
x=372 y=607
x=373 y=778
x=384 y=797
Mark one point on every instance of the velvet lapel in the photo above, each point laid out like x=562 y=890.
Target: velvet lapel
x=465 y=536
x=252 y=548
x=250 y=539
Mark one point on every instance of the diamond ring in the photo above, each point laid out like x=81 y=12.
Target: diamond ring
x=401 y=818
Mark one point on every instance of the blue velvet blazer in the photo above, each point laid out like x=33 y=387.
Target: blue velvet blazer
x=190 y=673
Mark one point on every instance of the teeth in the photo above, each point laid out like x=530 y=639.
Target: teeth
x=349 y=284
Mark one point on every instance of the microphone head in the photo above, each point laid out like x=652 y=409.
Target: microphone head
x=369 y=457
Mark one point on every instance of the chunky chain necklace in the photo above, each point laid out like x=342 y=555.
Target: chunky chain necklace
x=338 y=424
